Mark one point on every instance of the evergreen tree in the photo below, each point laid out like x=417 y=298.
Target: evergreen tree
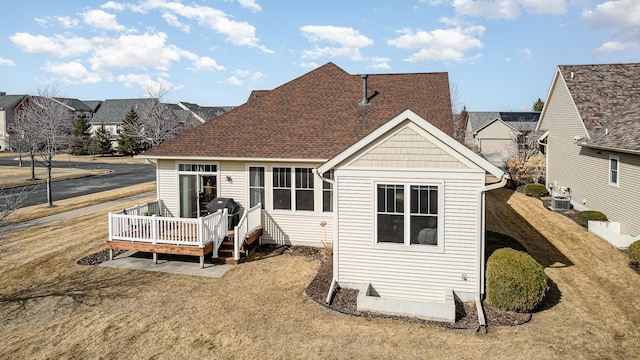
x=538 y=105
x=102 y=141
x=131 y=140
x=80 y=135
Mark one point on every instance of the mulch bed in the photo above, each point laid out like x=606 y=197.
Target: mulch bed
x=99 y=257
x=345 y=300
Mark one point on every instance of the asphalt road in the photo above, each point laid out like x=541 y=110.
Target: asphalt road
x=121 y=175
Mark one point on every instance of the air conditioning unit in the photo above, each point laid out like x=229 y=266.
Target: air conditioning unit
x=561 y=202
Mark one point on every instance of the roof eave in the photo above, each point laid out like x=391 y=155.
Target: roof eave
x=609 y=148
x=242 y=159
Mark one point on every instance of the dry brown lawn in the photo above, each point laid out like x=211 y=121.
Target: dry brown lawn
x=52 y=308
x=82 y=158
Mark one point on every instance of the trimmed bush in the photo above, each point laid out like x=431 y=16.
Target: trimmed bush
x=634 y=251
x=515 y=281
x=585 y=216
x=535 y=190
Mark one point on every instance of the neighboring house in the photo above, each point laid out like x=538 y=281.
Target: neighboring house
x=111 y=113
x=365 y=164
x=8 y=104
x=499 y=135
x=204 y=113
x=593 y=143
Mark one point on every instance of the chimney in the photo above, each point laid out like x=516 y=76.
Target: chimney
x=365 y=100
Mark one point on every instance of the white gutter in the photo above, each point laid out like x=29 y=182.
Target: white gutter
x=481 y=246
x=332 y=287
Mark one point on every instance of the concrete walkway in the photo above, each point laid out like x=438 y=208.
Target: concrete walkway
x=132 y=260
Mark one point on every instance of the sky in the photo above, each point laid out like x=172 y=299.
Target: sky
x=500 y=55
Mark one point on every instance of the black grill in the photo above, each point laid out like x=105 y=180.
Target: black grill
x=233 y=209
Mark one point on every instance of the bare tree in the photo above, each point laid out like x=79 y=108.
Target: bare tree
x=46 y=123
x=159 y=122
x=522 y=162
x=10 y=201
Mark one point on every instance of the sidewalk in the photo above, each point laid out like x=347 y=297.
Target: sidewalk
x=70 y=214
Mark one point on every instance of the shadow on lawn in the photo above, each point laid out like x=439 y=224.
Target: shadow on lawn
x=69 y=291
x=502 y=218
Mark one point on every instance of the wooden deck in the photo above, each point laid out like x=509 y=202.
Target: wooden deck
x=226 y=253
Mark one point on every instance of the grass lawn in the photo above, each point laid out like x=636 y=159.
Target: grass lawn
x=52 y=308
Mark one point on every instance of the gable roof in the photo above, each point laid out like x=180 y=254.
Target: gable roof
x=113 y=111
x=518 y=120
x=606 y=96
x=446 y=139
x=7 y=101
x=315 y=116
x=478 y=119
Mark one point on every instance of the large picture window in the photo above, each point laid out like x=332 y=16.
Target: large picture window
x=407 y=217
x=293 y=189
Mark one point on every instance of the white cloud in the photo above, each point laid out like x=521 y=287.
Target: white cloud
x=112 y=5
x=102 y=20
x=173 y=21
x=349 y=42
x=6 y=62
x=67 y=22
x=308 y=65
x=380 y=63
x=621 y=16
x=234 y=81
x=526 y=52
x=250 y=4
x=257 y=76
x=72 y=72
x=246 y=74
x=507 y=9
x=57 y=45
x=440 y=44
x=146 y=83
x=237 y=33
x=206 y=64
x=139 y=51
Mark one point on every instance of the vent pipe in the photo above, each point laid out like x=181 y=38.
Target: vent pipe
x=365 y=100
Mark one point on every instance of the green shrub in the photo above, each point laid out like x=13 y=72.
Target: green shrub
x=585 y=216
x=634 y=251
x=535 y=190
x=515 y=281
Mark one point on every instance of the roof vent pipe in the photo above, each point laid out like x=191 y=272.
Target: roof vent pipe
x=365 y=100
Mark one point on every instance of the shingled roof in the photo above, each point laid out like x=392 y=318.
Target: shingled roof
x=607 y=97
x=315 y=116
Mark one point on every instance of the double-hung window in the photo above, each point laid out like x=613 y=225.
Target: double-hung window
x=293 y=189
x=614 y=170
x=407 y=214
x=281 y=188
x=327 y=192
x=256 y=186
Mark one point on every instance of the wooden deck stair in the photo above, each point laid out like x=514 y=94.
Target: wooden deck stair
x=225 y=252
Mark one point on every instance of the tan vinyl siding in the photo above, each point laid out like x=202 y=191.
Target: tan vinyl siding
x=402 y=272
x=496 y=130
x=585 y=171
x=236 y=186
x=407 y=149
x=298 y=228
x=167 y=183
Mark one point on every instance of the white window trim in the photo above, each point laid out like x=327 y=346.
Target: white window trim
x=293 y=189
x=266 y=176
x=406 y=246
x=197 y=174
x=617 y=159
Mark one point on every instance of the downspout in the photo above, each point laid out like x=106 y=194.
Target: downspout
x=481 y=246
x=334 y=283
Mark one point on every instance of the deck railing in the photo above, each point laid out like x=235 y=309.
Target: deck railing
x=250 y=221
x=132 y=225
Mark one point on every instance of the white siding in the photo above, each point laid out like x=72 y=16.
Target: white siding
x=167 y=183
x=235 y=186
x=405 y=272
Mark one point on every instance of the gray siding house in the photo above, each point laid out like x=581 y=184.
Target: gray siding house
x=592 y=113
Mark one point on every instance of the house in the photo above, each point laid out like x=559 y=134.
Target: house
x=111 y=113
x=365 y=164
x=499 y=135
x=8 y=104
x=593 y=144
